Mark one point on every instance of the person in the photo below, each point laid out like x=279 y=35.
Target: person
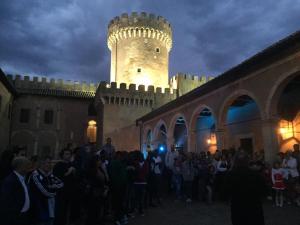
x=5 y=164
x=177 y=177
x=140 y=182
x=188 y=177
x=222 y=169
x=65 y=171
x=97 y=192
x=278 y=183
x=245 y=189
x=14 y=199
x=43 y=186
x=109 y=149
x=210 y=183
x=290 y=164
x=156 y=168
x=118 y=180
x=169 y=162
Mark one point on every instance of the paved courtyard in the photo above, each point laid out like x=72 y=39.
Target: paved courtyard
x=181 y=213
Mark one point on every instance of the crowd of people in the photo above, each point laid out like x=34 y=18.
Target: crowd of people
x=91 y=186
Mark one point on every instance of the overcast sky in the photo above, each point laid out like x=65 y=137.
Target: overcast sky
x=67 y=38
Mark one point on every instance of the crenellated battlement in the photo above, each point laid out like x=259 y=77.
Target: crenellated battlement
x=27 y=82
x=139 y=25
x=132 y=94
x=186 y=82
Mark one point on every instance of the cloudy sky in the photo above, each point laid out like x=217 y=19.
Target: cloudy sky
x=67 y=38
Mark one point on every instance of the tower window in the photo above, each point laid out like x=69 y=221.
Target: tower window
x=157 y=50
x=139 y=70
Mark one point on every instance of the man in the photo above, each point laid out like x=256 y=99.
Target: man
x=169 y=162
x=65 y=196
x=15 y=202
x=43 y=186
x=109 y=149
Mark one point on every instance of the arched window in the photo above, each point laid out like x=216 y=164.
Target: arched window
x=92 y=131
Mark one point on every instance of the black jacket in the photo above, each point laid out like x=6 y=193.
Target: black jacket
x=12 y=199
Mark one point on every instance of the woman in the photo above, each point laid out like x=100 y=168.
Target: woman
x=246 y=189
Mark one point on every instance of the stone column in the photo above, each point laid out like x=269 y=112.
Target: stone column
x=192 y=141
x=170 y=141
x=220 y=136
x=270 y=139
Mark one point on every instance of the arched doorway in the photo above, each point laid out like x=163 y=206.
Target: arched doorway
x=180 y=134
x=288 y=111
x=91 y=132
x=205 y=131
x=241 y=121
x=161 y=138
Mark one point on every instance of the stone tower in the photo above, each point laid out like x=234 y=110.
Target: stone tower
x=140 y=46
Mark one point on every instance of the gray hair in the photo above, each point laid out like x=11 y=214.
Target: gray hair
x=19 y=162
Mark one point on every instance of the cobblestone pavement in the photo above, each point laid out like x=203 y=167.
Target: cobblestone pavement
x=181 y=213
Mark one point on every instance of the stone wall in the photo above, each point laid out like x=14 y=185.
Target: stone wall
x=140 y=46
x=6 y=99
x=184 y=83
x=119 y=108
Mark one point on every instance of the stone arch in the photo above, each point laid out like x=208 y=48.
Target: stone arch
x=146 y=130
x=156 y=132
x=230 y=99
x=194 y=134
x=276 y=91
x=239 y=126
x=25 y=138
x=172 y=126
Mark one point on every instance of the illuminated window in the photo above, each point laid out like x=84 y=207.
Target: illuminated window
x=92 y=131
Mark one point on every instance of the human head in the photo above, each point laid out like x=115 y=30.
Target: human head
x=66 y=154
x=108 y=141
x=21 y=165
x=19 y=151
x=276 y=165
x=172 y=148
x=45 y=164
x=241 y=160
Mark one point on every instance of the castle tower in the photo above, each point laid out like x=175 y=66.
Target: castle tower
x=140 y=46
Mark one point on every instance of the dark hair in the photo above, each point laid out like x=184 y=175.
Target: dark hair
x=241 y=160
x=62 y=152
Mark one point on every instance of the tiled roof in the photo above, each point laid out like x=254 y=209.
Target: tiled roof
x=58 y=93
x=273 y=53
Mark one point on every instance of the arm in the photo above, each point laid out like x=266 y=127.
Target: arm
x=40 y=187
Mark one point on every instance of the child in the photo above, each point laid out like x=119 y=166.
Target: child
x=278 y=183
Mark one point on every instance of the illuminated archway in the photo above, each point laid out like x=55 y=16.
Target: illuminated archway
x=92 y=131
x=241 y=120
x=204 y=130
x=288 y=112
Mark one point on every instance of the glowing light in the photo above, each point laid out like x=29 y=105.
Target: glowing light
x=92 y=131
x=286 y=129
x=161 y=148
x=208 y=141
x=92 y=123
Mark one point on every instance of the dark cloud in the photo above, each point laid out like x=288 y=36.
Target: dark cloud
x=67 y=38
